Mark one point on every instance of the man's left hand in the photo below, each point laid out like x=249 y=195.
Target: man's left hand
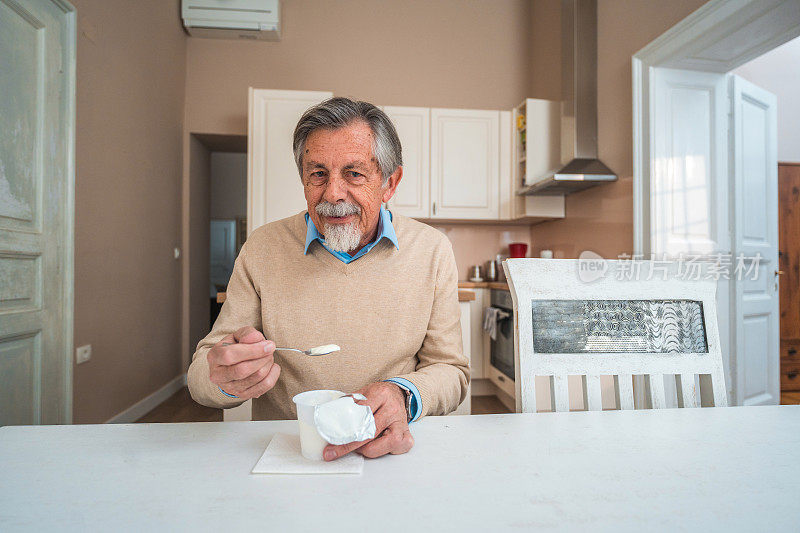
x=388 y=403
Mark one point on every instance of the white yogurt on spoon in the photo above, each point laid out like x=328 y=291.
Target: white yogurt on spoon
x=324 y=350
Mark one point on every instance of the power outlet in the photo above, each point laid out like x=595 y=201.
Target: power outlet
x=83 y=353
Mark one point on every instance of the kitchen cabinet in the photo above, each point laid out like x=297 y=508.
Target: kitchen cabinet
x=465 y=164
x=479 y=340
x=535 y=154
x=466 y=406
x=458 y=164
x=274 y=189
x=412 y=197
x=537 y=139
x=273 y=182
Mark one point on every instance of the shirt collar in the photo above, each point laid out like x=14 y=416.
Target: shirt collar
x=385 y=229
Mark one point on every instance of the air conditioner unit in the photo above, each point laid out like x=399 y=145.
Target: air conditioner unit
x=232 y=19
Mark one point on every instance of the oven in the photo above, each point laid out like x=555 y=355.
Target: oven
x=502 y=347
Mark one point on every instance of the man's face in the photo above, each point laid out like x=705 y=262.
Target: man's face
x=341 y=177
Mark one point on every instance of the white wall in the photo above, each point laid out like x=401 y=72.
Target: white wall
x=228 y=185
x=778 y=71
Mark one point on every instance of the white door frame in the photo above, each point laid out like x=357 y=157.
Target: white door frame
x=718 y=37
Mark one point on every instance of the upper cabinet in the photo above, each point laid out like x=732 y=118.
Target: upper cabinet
x=536 y=154
x=465 y=164
x=458 y=164
x=538 y=139
x=273 y=182
x=412 y=197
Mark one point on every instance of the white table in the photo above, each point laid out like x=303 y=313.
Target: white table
x=724 y=469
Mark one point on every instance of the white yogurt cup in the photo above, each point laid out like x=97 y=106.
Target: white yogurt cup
x=311 y=442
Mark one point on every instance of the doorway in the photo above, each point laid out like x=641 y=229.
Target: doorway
x=697 y=180
x=215 y=189
x=228 y=222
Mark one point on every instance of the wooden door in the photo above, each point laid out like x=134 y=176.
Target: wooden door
x=412 y=197
x=789 y=236
x=37 y=125
x=465 y=164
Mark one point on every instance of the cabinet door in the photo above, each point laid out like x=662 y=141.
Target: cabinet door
x=465 y=408
x=274 y=190
x=542 y=153
x=412 y=197
x=478 y=338
x=465 y=164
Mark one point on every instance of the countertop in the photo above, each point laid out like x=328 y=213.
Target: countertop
x=502 y=285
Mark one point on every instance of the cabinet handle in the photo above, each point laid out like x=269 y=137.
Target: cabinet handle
x=434 y=208
x=501 y=378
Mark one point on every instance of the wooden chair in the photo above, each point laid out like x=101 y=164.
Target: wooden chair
x=594 y=318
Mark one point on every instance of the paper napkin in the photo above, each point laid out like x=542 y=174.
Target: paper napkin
x=283 y=456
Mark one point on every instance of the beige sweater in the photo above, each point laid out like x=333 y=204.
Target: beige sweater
x=393 y=312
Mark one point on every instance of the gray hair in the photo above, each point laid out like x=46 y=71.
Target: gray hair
x=339 y=112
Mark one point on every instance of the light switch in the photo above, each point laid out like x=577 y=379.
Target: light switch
x=83 y=353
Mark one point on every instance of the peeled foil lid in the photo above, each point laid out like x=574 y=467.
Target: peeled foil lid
x=343 y=421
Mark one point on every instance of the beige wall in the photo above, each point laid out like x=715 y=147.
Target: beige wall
x=778 y=71
x=199 y=224
x=475 y=244
x=130 y=96
x=545 y=46
x=228 y=185
x=601 y=219
x=443 y=53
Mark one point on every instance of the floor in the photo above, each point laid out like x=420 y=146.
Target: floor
x=181 y=408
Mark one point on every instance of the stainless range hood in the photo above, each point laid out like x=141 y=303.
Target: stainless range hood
x=579 y=106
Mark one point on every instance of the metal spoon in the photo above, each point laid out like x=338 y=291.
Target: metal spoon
x=313 y=352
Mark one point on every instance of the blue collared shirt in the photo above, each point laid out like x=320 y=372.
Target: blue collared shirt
x=385 y=230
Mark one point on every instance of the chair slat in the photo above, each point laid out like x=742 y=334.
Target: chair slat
x=592 y=395
x=688 y=390
x=718 y=385
x=624 y=389
x=658 y=400
x=560 y=393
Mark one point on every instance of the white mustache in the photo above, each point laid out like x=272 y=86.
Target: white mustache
x=339 y=209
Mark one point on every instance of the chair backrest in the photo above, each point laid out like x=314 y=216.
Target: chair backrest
x=594 y=318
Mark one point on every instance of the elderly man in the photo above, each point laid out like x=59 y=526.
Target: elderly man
x=347 y=271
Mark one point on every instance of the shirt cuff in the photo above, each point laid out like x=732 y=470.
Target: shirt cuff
x=225 y=393
x=416 y=400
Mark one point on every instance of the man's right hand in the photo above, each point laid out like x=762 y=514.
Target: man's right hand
x=241 y=364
